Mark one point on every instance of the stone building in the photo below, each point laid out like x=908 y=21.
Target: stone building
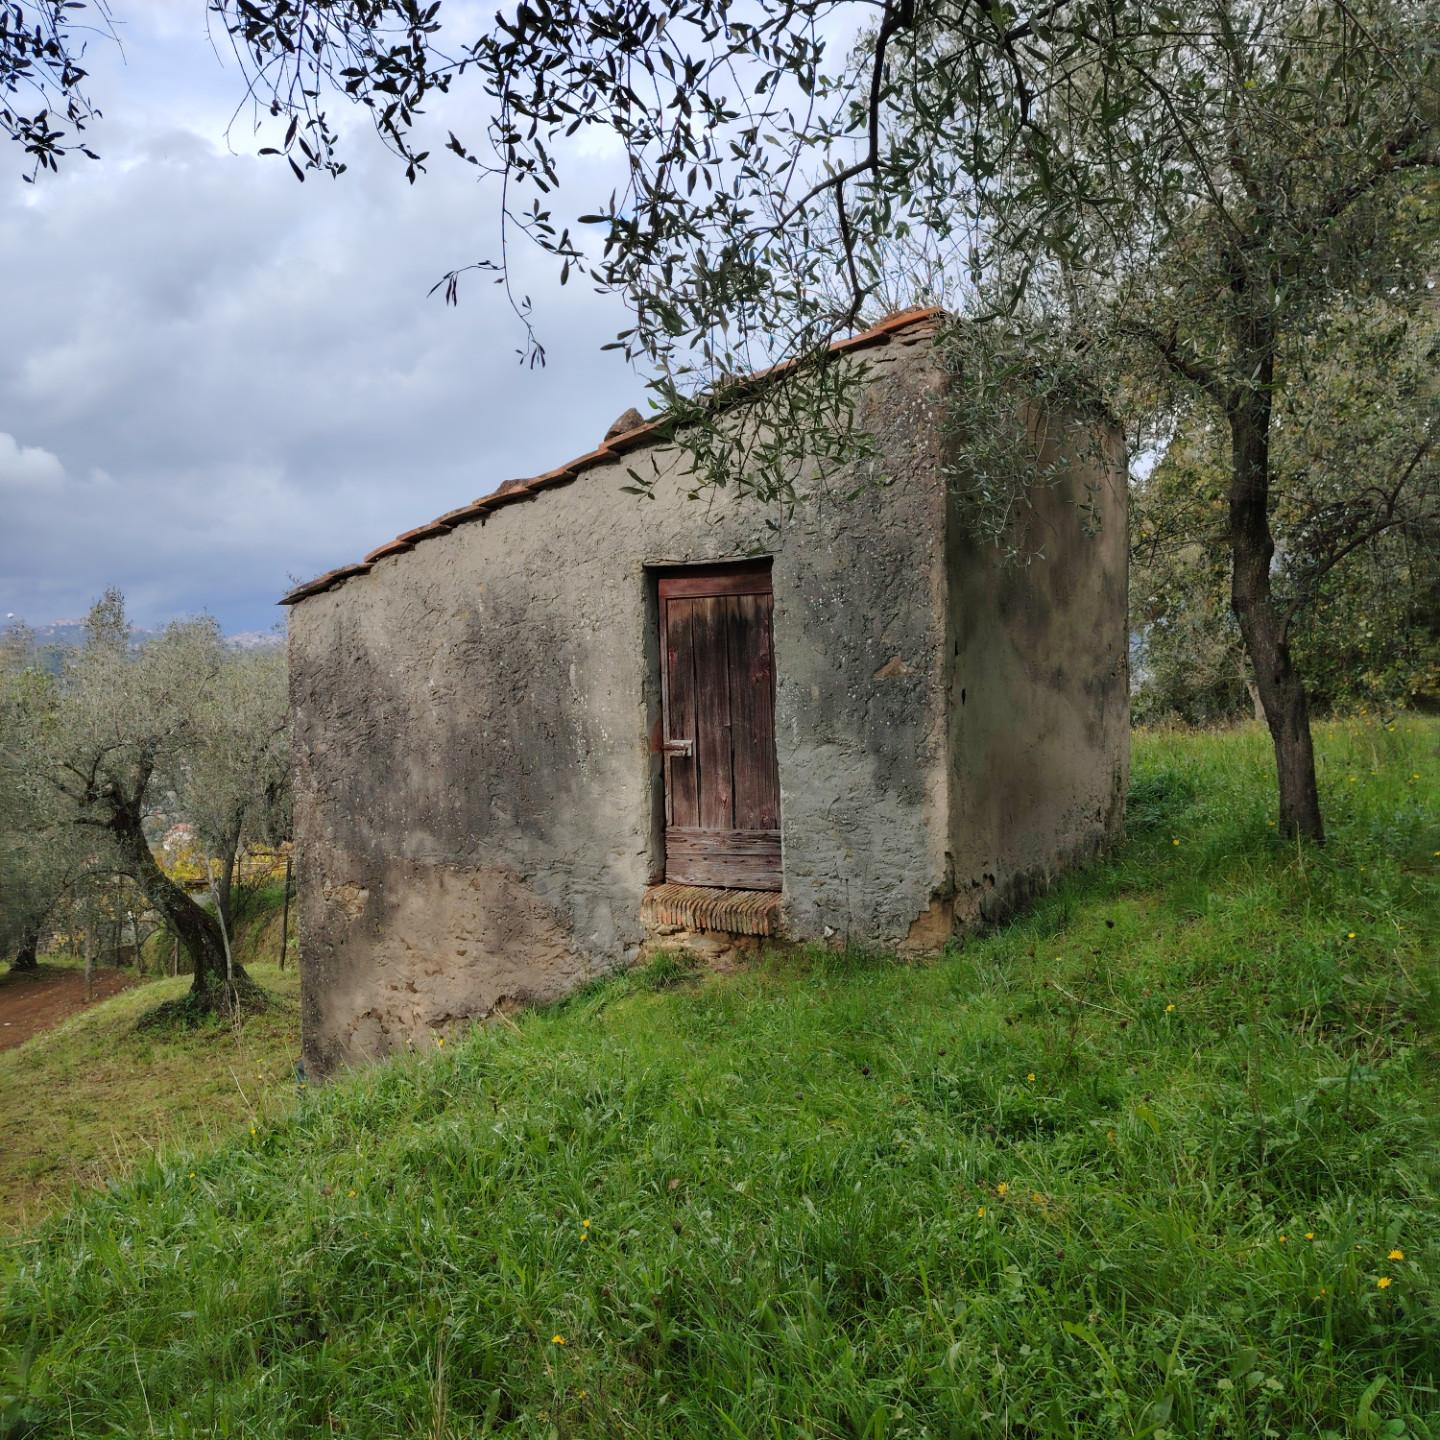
x=561 y=721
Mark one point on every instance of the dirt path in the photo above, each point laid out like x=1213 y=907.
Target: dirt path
x=39 y=1000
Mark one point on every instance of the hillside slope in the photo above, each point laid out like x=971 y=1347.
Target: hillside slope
x=1156 y=1160
x=80 y=1104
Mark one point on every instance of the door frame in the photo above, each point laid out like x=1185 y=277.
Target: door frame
x=676 y=580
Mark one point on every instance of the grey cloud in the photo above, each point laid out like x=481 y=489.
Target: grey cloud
x=213 y=379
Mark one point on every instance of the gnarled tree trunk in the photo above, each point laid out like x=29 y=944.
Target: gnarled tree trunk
x=195 y=927
x=1281 y=690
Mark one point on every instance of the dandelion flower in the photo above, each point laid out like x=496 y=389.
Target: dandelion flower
x=192 y=1174
x=1031 y=1077
x=981 y=1212
x=1174 y=842
x=583 y=1395
x=1002 y=1189
x=351 y=1194
x=584 y=1224
x=557 y=1339
x=440 y=1041
x=1284 y=1239
x=1383 y=1282
x=1309 y=1234
x=1350 y=935
x=583 y=1237
x=1036 y=1198
x=252 y=1129
x=1169 y=1009
x=1396 y=1255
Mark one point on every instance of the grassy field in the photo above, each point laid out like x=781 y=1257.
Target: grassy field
x=82 y=1104
x=1157 y=1160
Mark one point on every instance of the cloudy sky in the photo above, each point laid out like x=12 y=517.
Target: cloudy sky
x=214 y=379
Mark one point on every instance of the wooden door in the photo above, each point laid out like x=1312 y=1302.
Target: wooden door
x=722 y=785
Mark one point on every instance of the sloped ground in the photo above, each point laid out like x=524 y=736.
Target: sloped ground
x=1157 y=1160
x=33 y=1001
x=92 y=1095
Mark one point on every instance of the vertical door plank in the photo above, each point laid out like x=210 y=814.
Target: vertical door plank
x=752 y=704
x=682 y=799
x=712 y=715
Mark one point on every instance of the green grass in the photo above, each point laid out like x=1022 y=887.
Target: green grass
x=81 y=1104
x=1131 y=1166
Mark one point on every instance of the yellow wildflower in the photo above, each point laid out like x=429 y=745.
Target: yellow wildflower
x=1002 y=1189
x=583 y=1395
x=1309 y=1234
x=1037 y=1198
x=1174 y=842
x=440 y=1041
x=252 y=1129
x=1031 y=1077
x=1350 y=935
x=584 y=1224
x=1396 y=1255
x=351 y=1194
x=557 y=1339
x=1383 y=1282
x=981 y=1212
x=1169 y=1009
x=1284 y=1239
x=192 y=1174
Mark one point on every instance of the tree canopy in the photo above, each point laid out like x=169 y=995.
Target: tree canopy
x=1159 y=208
x=127 y=734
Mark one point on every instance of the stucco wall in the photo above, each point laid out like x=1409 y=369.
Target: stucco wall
x=476 y=788
x=1039 y=711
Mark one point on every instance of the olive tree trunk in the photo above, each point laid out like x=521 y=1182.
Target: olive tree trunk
x=1281 y=690
x=26 y=957
x=217 y=985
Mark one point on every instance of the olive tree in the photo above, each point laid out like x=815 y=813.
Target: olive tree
x=1184 y=193
x=32 y=865
x=233 y=784
x=1356 y=512
x=129 y=731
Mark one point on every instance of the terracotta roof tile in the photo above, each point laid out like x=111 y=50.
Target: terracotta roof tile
x=323 y=582
x=424 y=532
x=511 y=493
x=390 y=547
x=609 y=453
x=629 y=440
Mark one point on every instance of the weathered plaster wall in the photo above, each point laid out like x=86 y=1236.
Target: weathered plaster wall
x=475 y=782
x=1039 y=716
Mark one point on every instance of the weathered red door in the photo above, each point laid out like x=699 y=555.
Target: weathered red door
x=722 y=785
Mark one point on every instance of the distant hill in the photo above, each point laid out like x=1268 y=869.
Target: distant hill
x=51 y=641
